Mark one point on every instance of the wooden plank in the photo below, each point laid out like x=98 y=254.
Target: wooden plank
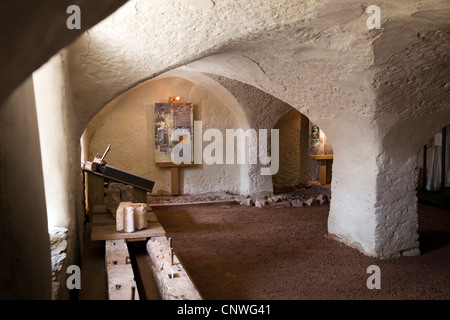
x=174 y=180
x=140 y=196
x=95 y=193
x=119 y=271
x=99 y=208
x=323 y=172
x=171 y=165
x=106 y=219
x=169 y=204
x=117 y=179
x=136 y=240
x=110 y=233
x=443 y=162
x=329 y=171
x=123 y=176
x=321 y=157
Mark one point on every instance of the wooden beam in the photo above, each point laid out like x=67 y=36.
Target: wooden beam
x=106 y=219
x=156 y=205
x=174 y=181
x=119 y=271
x=140 y=196
x=174 y=283
x=443 y=173
x=171 y=165
x=323 y=171
x=100 y=208
x=321 y=157
x=109 y=232
x=95 y=190
x=424 y=168
x=329 y=171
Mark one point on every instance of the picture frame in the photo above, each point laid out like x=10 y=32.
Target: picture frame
x=174 y=124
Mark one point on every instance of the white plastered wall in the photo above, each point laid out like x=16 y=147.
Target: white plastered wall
x=127 y=123
x=60 y=165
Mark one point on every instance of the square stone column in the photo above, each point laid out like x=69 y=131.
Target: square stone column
x=374 y=206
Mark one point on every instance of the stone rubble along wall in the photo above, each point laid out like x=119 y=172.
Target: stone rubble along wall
x=58 y=244
x=58 y=249
x=310 y=195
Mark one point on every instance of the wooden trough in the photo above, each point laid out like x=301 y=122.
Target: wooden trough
x=170 y=276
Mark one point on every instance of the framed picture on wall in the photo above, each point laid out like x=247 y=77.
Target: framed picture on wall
x=174 y=124
x=318 y=142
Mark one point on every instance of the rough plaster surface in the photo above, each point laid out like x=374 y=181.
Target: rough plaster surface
x=295 y=168
x=41 y=27
x=357 y=85
x=128 y=125
x=60 y=154
x=168 y=36
x=383 y=93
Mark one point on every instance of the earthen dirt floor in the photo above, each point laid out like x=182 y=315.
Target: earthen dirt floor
x=280 y=252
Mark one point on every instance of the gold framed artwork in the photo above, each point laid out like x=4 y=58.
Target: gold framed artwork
x=319 y=147
x=174 y=124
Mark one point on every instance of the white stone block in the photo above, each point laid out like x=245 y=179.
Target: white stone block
x=128 y=219
x=312 y=202
x=297 y=203
x=119 y=216
x=260 y=203
x=323 y=199
x=247 y=202
x=140 y=216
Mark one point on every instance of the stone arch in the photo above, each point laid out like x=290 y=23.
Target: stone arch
x=233 y=98
x=295 y=167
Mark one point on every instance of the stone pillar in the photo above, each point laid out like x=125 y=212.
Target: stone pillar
x=352 y=210
x=373 y=207
x=396 y=207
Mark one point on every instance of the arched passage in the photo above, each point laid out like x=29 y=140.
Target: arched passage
x=220 y=104
x=127 y=123
x=296 y=167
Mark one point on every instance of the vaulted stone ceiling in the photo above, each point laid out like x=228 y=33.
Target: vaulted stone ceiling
x=33 y=31
x=318 y=56
x=299 y=51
